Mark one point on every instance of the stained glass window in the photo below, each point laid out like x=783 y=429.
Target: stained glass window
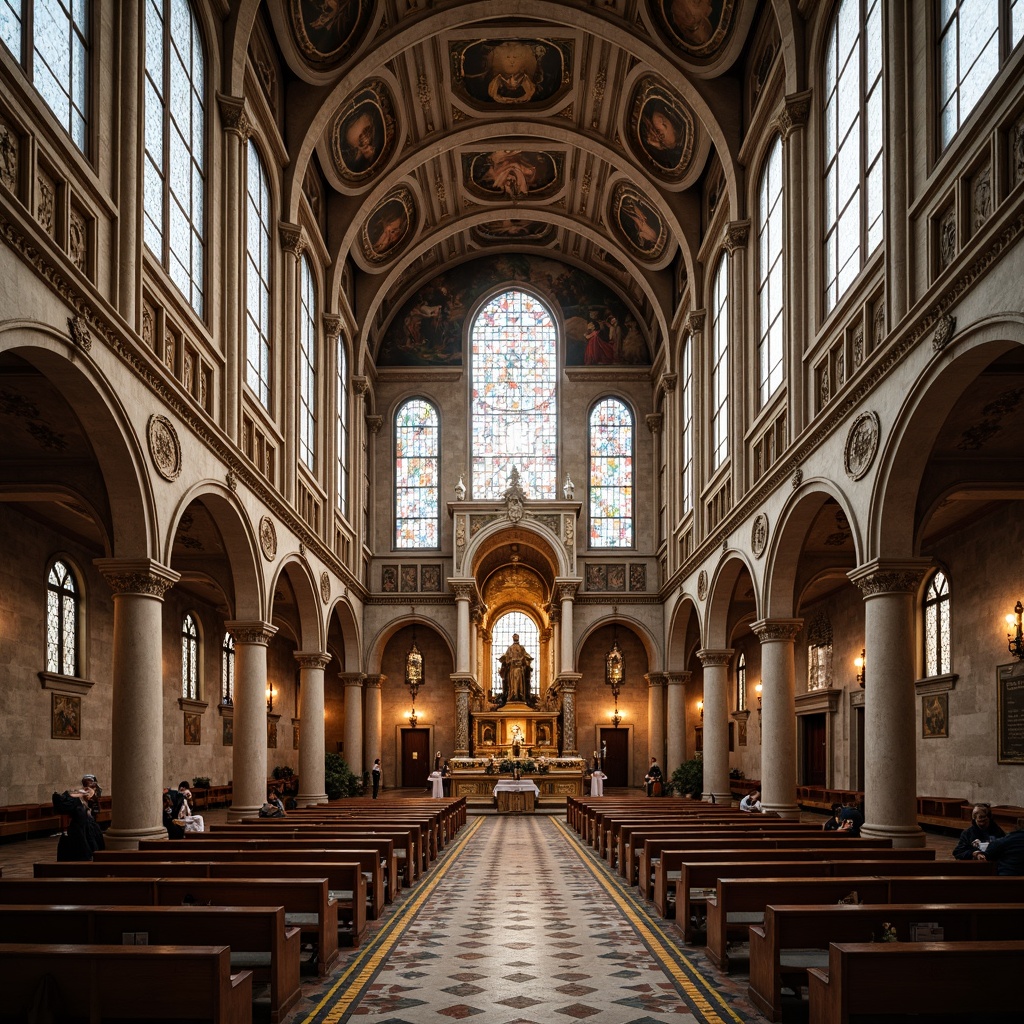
x=853 y=123
x=686 y=418
x=342 y=427
x=417 y=472
x=515 y=397
x=769 y=268
x=741 y=682
x=307 y=366
x=189 y=658
x=62 y=600
x=227 y=670
x=611 y=475
x=720 y=365
x=936 y=626
x=819 y=653
x=174 y=177
x=529 y=638
x=257 y=280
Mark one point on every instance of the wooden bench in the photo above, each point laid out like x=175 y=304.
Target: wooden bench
x=30 y=819
x=426 y=830
x=796 y=938
x=258 y=937
x=899 y=978
x=130 y=982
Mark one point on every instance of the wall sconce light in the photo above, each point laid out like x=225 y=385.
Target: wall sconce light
x=700 y=708
x=757 y=689
x=413 y=718
x=270 y=699
x=616 y=718
x=1015 y=639
x=861 y=665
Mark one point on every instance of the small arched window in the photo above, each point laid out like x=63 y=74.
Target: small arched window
x=741 y=682
x=189 y=658
x=417 y=471
x=307 y=365
x=529 y=638
x=720 y=365
x=227 y=670
x=936 y=626
x=342 y=427
x=686 y=423
x=611 y=475
x=257 y=279
x=770 y=280
x=63 y=605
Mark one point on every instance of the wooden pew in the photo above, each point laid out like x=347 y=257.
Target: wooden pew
x=795 y=938
x=306 y=901
x=426 y=829
x=258 y=937
x=900 y=978
x=131 y=982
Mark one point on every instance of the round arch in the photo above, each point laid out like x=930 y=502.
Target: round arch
x=537 y=535
x=655 y=659
x=311 y=635
x=376 y=646
x=720 y=597
x=341 y=614
x=684 y=621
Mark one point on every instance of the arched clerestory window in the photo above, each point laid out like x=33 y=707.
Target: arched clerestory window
x=611 y=475
x=515 y=397
x=257 y=279
x=307 y=364
x=770 y=284
x=720 y=364
x=936 y=625
x=190 y=657
x=341 y=424
x=741 y=682
x=417 y=474
x=686 y=423
x=63 y=615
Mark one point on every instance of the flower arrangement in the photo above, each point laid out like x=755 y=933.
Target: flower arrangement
x=888 y=932
x=507 y=765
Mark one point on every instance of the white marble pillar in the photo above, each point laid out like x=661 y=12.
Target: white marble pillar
x=311 y=727
x=353 y=683
x=778 y=707
x=137 y=747
x=656 y=716
x=675 y=743
x=249 y=750
x=716 y=724
x=890 y=712
x=567 y=594
x=464 y=591
x=372 y=687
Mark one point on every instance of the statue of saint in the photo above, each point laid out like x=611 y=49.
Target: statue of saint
x=515 y=671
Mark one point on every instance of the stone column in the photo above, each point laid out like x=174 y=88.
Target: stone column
x=129 y=156
x=656 y=715
x=778 y=706
x=136 y=752
x=567 y=683
x=716 y=724
x=675 y=752
x=249 y=752
x=311 y=727
x=567 y=593
x=327 y=429
x=292 y=245
x=353 y=683
x=555 y=617
x=464 y=591
x=890 y=713
x=737 y=232
x=463 y=686
x=372 y=687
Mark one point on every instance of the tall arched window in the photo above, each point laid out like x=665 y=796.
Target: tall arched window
x=189 y=658
x=515 y=397
x=611 y=475
x=769 y=273
x=686 y=418
x=227 y=670
x=936 y=626
x=741 y=682
x=62 y=617
x=853 y=126
x=720 y=364
x=175 y=177
x=417 y=472
x=257 y=279
x=342 y=427
x=529 y=637
x=307 y=365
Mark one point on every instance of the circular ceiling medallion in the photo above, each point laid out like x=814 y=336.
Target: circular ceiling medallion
x=637 y=221
x=662 y=130
x=702 y=584
x=759 y=534
x=861 y=445
x=268 y=538
x=164 y=448
x=325 y=587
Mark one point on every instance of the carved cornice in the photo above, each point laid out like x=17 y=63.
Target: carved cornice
x=293 y=238
x=794 y=114
x=655 y=421
x=312 y=659
x=715 y=659
x=256 y=632
x=775 y=630
x=141 y=576
x=737 y=232
x=880 y=577
x=233 y=116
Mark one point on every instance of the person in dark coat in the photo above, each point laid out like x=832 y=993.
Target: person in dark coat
x=850 y=821
x=84 y=836
x=89 y=782
x=833 y=822
x=174 y=830
x=982 y=830
x=1008 y=852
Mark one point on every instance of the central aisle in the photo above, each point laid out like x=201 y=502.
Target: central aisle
x=519 y=923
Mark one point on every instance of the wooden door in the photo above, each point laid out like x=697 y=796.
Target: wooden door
x=815 y=751
x=415 y=758
x=616 y=762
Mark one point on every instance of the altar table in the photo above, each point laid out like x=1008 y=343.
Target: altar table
x=516 y=796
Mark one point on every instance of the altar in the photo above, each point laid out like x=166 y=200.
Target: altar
x=515 y=796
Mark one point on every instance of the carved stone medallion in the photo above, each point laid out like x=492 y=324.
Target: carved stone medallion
x=268 y=538
x=861 y=445
x=164 y=449
x=325 y=587
x=759 y=534
x=702 y=584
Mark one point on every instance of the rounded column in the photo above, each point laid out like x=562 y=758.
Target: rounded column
x=137 y=747
x=464 y=591
x=567 y=595
x=249 y=751
x=656 y=715
x=675 y=745
x=311 y=727
x=716 y=724
x=890 y=713
x=353 y=683
x=778 y=714
x=372 y=690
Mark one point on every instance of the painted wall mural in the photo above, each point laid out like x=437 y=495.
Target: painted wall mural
x=389 y=226
x=363 y=133
x=662 y=130
x=697 y=27
x=638 y=221
x=512 y=230
x=505 y=174
x=491 y=73
x=597 y=328
x=327 y=31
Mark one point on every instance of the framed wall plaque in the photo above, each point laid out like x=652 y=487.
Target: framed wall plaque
x=1010 y=713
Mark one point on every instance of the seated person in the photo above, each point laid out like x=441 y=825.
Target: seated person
x=183 y=809
x=174 y=829
x=850 y=821
x=752 y=801
x=833 y=822
x=1008 y=852
x=83 y=836
x=981 y=830
x=273 y=808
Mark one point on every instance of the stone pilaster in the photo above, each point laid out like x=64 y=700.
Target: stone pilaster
x=675 y=739
x=567 y=595
x=567 y=684
x=311 y=727
x=463 y=687
x=464 y=591
x=716 y=724
x=373 y=716
x=656 y=715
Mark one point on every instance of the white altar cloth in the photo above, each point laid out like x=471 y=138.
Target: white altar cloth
x=437 y=782
x=597 y=783
x=516 y=786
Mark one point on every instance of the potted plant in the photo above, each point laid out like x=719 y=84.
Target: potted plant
x=688 y=778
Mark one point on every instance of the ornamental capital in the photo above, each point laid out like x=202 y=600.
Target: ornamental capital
x=312 y=659
x=293 y=238
x=374 y=682
x=668 y=381
x=375 y=423
x=794 y=113
x=140 y=576
x=464 y=590
x=255 y=632
x=655 y=421
x=360 y=384
x=678 y=678
x=567 y=589
x=233 y=116
x=656 y=680
x=775 y=630
x=736 y=234
x=332 y=325
x=715 y=659
x=567 y=681
x=695 y=320
x=351 y=679
x=882 y=577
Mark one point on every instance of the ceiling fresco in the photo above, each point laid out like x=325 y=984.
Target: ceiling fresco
x=697 y=27
x=326 y=31
x=662 y=130
x=509 y=73
x=512 y=174
x=363 y=134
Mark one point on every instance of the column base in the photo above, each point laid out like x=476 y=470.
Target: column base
x=901 y=835
x=310 y=799
x=783 y=810
x=236 y=813
x=129 y=838
x=720 y=799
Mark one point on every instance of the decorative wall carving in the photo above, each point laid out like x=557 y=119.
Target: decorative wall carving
x=325 y=586
x=981 y=198
x=702 y=585
x=861 y=445
x=268 y=538
x=944 y=331
x=45 y=202
x=759 y=534
x=164 y=447
x=10 y=153
x=78 y=328
x=947 y=237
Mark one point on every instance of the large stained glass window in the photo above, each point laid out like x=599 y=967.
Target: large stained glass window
x=720 y=365
x=417 y=472
x=189 y=658
x=611 y=475
x=307 y=366
x=174 y=177
x=769 y=273
x=62 y=607
x=515 y=397
x=257 y=280
x=341 y=438
x=529 y=637
x=936 y=626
